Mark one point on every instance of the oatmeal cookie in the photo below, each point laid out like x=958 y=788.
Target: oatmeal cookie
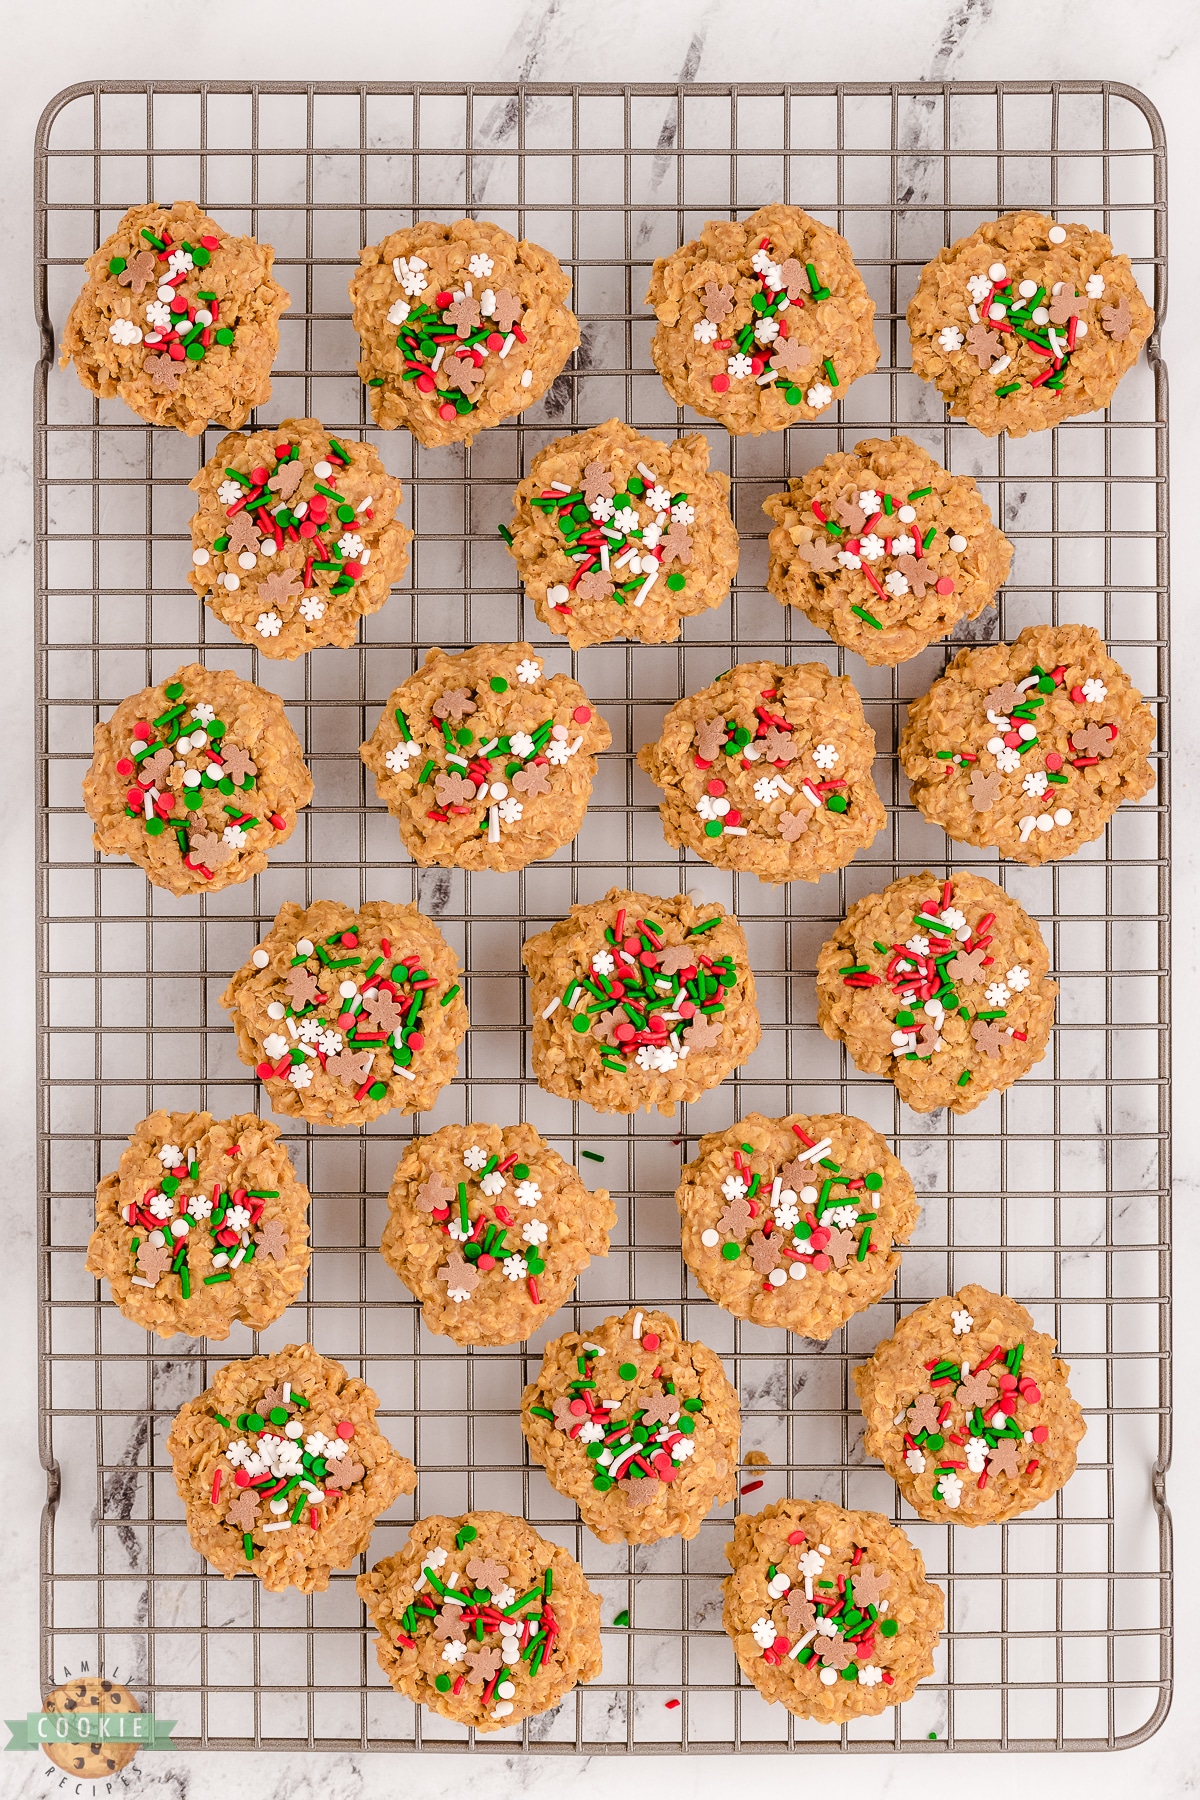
x=1026 y=322
x=941 y=987
x=95 y=1760
x=762 y=322
x=295 y=537
x=884 y=549
x=196 y=779
x=620 y=536
x=455 y=1200
x=1029 y=748
x=640 y=1001
x=968 y=1409
x=203 y=1223
x=795 y=1222
x=830 y=1611
x=486 y=760
x=177 y=318
x=677 y=1457
x=482 y=1620
x=282 y=1469
x=769 y=770
x=347 y=1015
x=461 y=326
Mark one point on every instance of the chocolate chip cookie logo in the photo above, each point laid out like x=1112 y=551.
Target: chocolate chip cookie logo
x=90 y=1728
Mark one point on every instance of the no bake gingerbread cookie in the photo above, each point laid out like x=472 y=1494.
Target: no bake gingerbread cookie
x=485 y=759
x=1026 y=322
x=620 y=536
x=941 y=986
x=769 y=770
x=178 y=318
x=640 y=1001
x=196 y=780
x=461 y=326
x=295 y=537
x=968 y=1409
x=346 y=1015
x=490 y=1229
x=203 y=1223
x=762 y=322
x=884 y=549
x=282 y=1469
x=1029 y=748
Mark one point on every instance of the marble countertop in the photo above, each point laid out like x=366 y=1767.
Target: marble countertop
x=1156 y=48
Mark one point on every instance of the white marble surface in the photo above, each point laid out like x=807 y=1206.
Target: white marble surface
x=1155 y=48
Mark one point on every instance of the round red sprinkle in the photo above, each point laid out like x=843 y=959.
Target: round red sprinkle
x=946 y=585
x=582 y=714
x=795 y=1537
x=820 y=1264
x=1077 y=696
x=264 y=1071
x=486 y=1262
x=819 y=1238
x=1034 y=1396
x=345 y=1428
x=494 y=341
x=175 y=352
x=720 y=383
x=625 y=1032
x=632 y=944
x=650 y=1340
x=241 y=1478
x=426 y=384
x=733 y=816
x=1012 y=739
x=353 y=569
x=685 y=1008
x=416 y=1040
x=124 y=766
x=349 y=940
x=259 y=476
x=307 y=528
x=716 y=787
x=446 y=411
x=141 y=731
x=579 y=1408
x=1053 y=760
x=167 y=802
x=211 y=243
x=701 y=764
x=135 y=798
x=444 y=299
x=1040 y=1433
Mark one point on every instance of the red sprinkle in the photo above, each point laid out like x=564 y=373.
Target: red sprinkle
x=719 y=385
x=582 y=714
x=345 y=1428
x=216 y=1486
x=749 y=1487
x=673 y=1703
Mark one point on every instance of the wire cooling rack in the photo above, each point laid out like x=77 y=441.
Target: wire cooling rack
x=1057 y=1624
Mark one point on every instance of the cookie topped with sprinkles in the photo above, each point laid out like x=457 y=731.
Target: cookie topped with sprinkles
x=485 y=758
x=640 y=1001
x=884 y=549
x=795 y=1222
x=1029 y=747
x=1026 y=322
x=490 y=1228
x=637 y=1426
x=762 y=322
x=203 y=1223
x=968 y=1409
x=620 y=536
x=769 y=770
x=295 y=536
x=943 y=986
x=830 y=1611
x=346 y=1015
x=482 y=1620
x=178 y=318
x=196 y=780
x=282 y=1469
x=461 y=326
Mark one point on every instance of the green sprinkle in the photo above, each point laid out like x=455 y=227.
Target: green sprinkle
x=1010 y=387
x=731 y=1252
x=248 y=1546
x=622 y=1618
x=468 y=1534
x=868 y=617
x=505 y=533
x=864 y=1244
x=830 y=372
x=628 y=1371
x=675 y=581
x=705 y=925
x=223 y=1275
x=593 y=1155
x=222 y=1420
x=442 y=1683
x=449 y=995
x=964 y=1078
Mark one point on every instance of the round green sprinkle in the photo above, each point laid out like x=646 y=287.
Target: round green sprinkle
x=442 y=1683
x=731 y=1252
x=254 y=1421
x=837 y=803
x=175 y=691
x=464 y=738
x=467 y=1535
x=463 y=405
x=224 y=335
x=195 y=352
x=793 y=396
x=889 y=1627
x=628 y=1371
x=154 y=827
x=934 y=1442
x=602 y=1483
x=874 y=1181
x=636 y=485
x=278 y=1415
x=116 y=265
x=534 y=1264
x=200 y=256
x=377 y=1090
x=676 y=581
x=581 y=513
x=345 y=514
x=498 y=684
x=521 y=1172
x=192 y=798
x=403 y=1056
x=581 y=1023
x=713 y=828
x=850 y=1672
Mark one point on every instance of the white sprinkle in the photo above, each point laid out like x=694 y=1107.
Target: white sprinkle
x=1062 y=816
x=140 y=1281
x=441 y=351
x=281 y=1525
x=735 y=831
x=260 y=959
x=291 y=1025
x=548 y=1011
x=493 y=824
x=637 y=1328
x=1057 y=234
x=1001 y=364
x=503 y=351
x=304 y=947
x=649 y=582
x=527 y=378
x=363 y=504
x=407 y=1073
x=710 y=1238
x=287 y=1392
x=200 y=557
x=958 y=543
x=997 y=272
x=803 y=1644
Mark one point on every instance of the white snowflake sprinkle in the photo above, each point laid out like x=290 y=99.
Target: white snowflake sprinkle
x=761 y=261
x=975 y=1450
x=300 y=1075
x=1095 y=287
x=825 y=756
x=1035 y=784
x=527 y=1193
x=602 y=509
x=659 y=499
x=1007 y=761
x=766 y=789
x=229 y=491
x=625 y=519
x=733 y=1187
x=475 y=1158
x=558 y=752
x=950 y=339
x=398 y=312
x=705 y=331
x=410 y=274
x=234 y=835
x=535 y=1231
x=979 y=288
x=400 y=755
x=952 y=919
x=124 y=331
x=766 y=331
x=896 y=583
x=848 y=560
x=268 y=624
x=1017 y=978
x=871 y=547
x=739 y=366
x=870 y=1676
x=516 y=1268
x=1094 y=690
x=480 y=265
x=819 y=395
x=962 y=1322
x=787 y=1213
x=180 y=263
x=493 y=1183
x=764 y=1632
x=528 y=671
x=843 y=1218
x=510 y=811
x=350 y=544
x=949 y=1489
x=918 y=943
x=915 y=1460
x=997 y=994
x=452 y=1651
x=521 y=744
x=683 y=513
x=158 y=314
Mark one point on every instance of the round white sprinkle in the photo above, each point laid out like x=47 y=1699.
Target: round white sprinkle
x=1027 y=289
x=304 y=947
x=798 y=1271
x=720 y=807
x=958 y=543
x=1040 y=315
x=232 y=583
x=828 y=1677
x=267 y=547
x=506 y=1690
x=1062 y=816
x=1057 y=235
x=1045 y=822
x=156 y=1238
x=347 y=990
x=907 y=514
x=293 y=1429
x=710 y=1238
x=166 y=294
x=260 y=959
x=322 y=470
x=279 y=1506
x=997 y=272
x=277 y=1010
x=1027 y=732
x=997 y=311
x=1081 y=330
x=191 y=778
x=778 y=1278
x=247 y=559
x=200 y=557
x=180 y=1227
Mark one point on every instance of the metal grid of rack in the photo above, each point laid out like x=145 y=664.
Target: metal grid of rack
x=1057 y=1624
